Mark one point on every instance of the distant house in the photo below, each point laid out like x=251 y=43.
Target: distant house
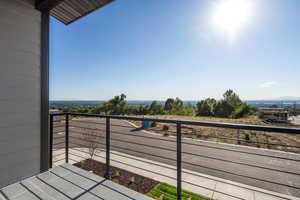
x=273 y=114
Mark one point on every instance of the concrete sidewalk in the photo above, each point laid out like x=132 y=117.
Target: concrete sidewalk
x=209 y=186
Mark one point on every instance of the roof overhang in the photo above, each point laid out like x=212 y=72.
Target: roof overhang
x=68 y=11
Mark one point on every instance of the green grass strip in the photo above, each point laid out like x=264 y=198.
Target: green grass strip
x=169 y=193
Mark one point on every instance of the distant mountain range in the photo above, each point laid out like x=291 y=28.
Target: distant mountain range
x=288 y=98
x=282 y=102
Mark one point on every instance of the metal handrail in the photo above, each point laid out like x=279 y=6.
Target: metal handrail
x=191 y=122
x=178 y=140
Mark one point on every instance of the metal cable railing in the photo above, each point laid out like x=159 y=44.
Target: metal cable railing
x=78 y=134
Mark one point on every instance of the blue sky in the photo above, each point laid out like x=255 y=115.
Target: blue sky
x=154 y=49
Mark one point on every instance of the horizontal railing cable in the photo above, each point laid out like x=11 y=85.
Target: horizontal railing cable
x=88 y=128
x=245 y=176
x=57 y=155
x=196 y=123
x=59 y=160
x=85 y=134
x=59 y=126
x=54 y=144
x=137 y=167
x=145 y=145
x=149 y=154
x=82 y=140
x=239 y=163
x=207 y=146
x=164 y=166
x=154 y=148
x=88 y=122
x=58 y=138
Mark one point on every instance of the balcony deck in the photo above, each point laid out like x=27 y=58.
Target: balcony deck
x=67 y=182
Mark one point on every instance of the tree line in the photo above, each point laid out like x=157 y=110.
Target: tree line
x=230 y=106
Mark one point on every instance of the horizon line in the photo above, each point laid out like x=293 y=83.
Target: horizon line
x=175 y=97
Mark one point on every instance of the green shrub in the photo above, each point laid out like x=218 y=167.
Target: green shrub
x=247 y=137
x=243 y=110
x=169 y=193
x=166 y=134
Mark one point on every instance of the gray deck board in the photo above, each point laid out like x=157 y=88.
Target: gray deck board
x=2 y=197
x=68 y=182
x=43 y=190
x=60 y=184
x=107 y=193
x=18 y=192
x=125 y=191
x=88 y=196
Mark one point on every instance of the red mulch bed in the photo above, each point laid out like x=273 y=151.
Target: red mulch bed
x=128 y=179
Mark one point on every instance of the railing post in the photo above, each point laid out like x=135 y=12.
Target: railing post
x=178 y=160
x=107 y=175
x=67 y=138
x=51 y=142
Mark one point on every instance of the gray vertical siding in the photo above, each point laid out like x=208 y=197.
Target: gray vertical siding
x=20 y=95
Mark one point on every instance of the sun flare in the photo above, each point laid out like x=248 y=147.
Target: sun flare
x=230 y=16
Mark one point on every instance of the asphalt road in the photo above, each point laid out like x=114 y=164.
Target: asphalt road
x=270 y=170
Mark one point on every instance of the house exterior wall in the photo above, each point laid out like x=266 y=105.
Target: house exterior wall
x=20 y=90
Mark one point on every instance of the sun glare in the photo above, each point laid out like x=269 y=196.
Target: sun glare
x=230 y=16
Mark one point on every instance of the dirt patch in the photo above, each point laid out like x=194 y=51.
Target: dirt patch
x=260 y=139
x=128 y=179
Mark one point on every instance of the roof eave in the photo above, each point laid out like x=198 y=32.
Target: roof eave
x=46 y=5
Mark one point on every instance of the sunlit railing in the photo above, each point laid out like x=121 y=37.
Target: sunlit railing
x=114 y=135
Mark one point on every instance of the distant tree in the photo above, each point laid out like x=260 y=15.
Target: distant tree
x=177 y=107
x=173 y=106
x=232 y=98
x=142 y=110
x=203 y=109
x=115 y=106
x=178 y=102
x=206 y=107
x=156 y=108
x=169 y=103
x=223 y=109
x=189 y=110
x=230 y=106
x=243 y=110
x=131 y=109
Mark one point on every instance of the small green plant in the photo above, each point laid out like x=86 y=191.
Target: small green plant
x=247 y=137
x=165 y=191
x=166 y=134
x=117 y=173
x=115 y=180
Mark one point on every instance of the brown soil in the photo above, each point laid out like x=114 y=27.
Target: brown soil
x=277 y=141
x=128 y=179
